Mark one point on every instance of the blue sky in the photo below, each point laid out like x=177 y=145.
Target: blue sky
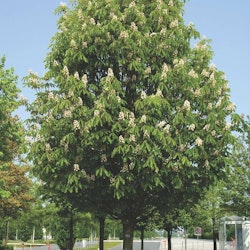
x=27 y=26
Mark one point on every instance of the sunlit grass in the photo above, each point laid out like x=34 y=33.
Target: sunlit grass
x=107 y=245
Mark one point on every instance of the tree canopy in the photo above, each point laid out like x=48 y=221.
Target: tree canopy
x=128 y=106
x=11 y=133
x=11 y=129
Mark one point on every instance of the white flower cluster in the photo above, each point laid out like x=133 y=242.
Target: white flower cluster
x=118 y=99
x=206 y=163
x=146 y=134
x=218 y=104
x=84 y=44
x=148 y=71
x=164 y=71
x=210 y=106
x=205 y=73
x=182 y=148
x=174 y=24
x=167 y=128
x=76 y=76
x=213 y=133
x=230 y=107
x=171 y=3
x=113 y=16
x=80 y=15
x=63 y=5
x=110 y=72
x=143 y=95
x=73 y=44
x=80 y=102
x=143 y=119
x=124 y=34
x=131 y=122
x=212 y=67
x=47 y=147
x=104 y=158
x=55 y=63
x=85 y=80
x=198 y=141
x=63 y=27
x=159 y=93
x=70 y=93
x=132 y=138
x=76 y=125
x=133 y=26
x=67 y=114
x=50 y=95
x=191 y=127
x=121 y=139
x=161 y=124
x=211 y=77
x=200 y=46
x=65 y=71
x=186 y=105
x=124 y=168
x=163 y=31
x=197 y=92
x=96 y=113
x=28 y=139
x=37 y=138
x=92 y=21
x=76 y=167
x=179 y=63
x=193 y=74
x=33 y=77
x=132 y=4
x=121 y=116
x=206 y=127
x=227 y=126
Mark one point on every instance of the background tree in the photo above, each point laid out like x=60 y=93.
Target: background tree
x=207 y=213
x=126 y=102
x=17 y=184
x=11 y=132
x=236 y=195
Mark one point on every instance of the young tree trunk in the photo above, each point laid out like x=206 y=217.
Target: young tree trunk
x=169 y=231
x=142 y=238
x=33 y=234
x=214 y=234
x=6 y=236
x=71 y=241
x=101 y=233
x=128 y=235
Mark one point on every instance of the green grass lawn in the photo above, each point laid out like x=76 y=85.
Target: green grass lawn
x=107 y=245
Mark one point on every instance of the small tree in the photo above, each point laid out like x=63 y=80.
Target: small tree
x=14 y=184
x=127 y=103
x=236 y=195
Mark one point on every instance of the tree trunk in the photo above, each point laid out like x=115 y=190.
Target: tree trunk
x=169 y=231
x=101 y=233
x=33 y=234
x=6 y=236
x=214 y=234
x=142 y=238
x=71 y=241
x=128 y=234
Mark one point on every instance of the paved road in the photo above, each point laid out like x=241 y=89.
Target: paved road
x=177 y=244
x=148 y=245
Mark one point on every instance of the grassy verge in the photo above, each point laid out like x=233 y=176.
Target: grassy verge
x=107 y=245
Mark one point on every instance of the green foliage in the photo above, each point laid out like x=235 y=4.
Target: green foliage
x=237 y=191
x=11 y=131
x=6 y=247
x=127 y=108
